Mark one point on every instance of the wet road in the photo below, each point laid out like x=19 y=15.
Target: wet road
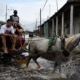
x=71 y=70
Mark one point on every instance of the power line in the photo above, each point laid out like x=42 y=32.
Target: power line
x=39 y=13
x=44 y=5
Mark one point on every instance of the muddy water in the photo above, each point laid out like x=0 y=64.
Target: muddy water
x=71 y=71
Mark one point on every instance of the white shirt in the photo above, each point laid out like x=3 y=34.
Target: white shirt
x=6 y=30
x=15 y=19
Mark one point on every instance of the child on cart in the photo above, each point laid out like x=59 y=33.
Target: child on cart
x=18 y=32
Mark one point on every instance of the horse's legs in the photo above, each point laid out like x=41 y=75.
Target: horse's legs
x=28 y=60
x=35 y=60
x=57 y=63
x=39 y=66
x=55 y=67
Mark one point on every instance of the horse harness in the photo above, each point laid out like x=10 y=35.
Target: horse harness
x=52 y=42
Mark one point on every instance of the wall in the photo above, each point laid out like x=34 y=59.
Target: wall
x=50 y=28
x=76 y=27
x=42 y=30
x=76 y=23
x=46 y=29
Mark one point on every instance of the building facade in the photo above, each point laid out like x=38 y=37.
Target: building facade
x=65 y=22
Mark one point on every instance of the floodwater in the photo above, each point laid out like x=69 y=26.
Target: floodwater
x=70 y=70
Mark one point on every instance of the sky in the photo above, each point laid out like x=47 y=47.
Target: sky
x=29 y=10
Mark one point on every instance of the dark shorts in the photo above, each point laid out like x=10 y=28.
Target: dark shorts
x=8 y=41
x=7 y=38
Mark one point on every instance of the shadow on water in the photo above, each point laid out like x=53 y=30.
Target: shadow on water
x=14 y=72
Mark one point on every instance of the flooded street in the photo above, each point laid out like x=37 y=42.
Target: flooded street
x=71 y=70
x=32 y=29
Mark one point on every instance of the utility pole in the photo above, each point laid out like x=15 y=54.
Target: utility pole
x=36 y=28
x=36 y=25
x=49 y=11
x=6 y=14
x=57 y=4
x=40 y=23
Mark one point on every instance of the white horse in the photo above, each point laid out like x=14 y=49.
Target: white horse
x=39 y=46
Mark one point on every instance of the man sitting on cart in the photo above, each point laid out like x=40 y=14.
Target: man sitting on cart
x=7 y=32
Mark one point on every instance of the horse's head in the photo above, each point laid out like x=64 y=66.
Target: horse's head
x=77 y=48
x=73 y=45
